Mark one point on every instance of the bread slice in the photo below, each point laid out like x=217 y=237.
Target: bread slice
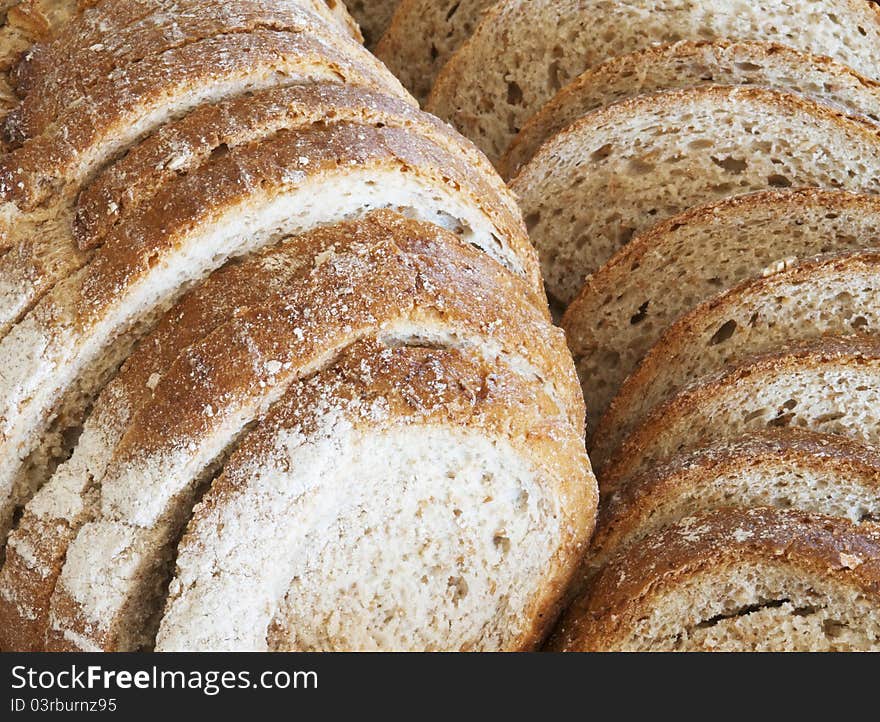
x=45 y=251
x=525 y=51
x=628 y=304
x=373 y=17
x=237 y=203
x=689 y=64
x=831 y=386
x=624 y=168
x=469 y=553
x=386 y=278
x=785 y=468
x=837 y=295
x=424 y=35
x=736 y=580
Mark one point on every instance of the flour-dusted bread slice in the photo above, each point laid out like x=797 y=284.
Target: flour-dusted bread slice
x=785 y=468
x=688 y=64
x=736 y=580
x=463 y=538
x=46 y=250
x=400 y=282
x=627 y=305
x=239 y=201
x=837 y=295
x=624 y=168
x=525 y=51
x=831 y=386
x=423 y=36
x=373 y=17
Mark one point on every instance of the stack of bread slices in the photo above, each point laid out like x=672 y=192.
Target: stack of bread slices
x=277 y=370
x=700 y=179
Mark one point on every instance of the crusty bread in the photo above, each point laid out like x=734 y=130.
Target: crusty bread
x=423 y=36
x=385 y=277
x=627 y=305
x=345 y=554
x=736 y=580
x=525 y=51
x=785 y=468
x=622 y=169
x=373 y=17
x=837 y=295
x=831 y=386
x=690 y=64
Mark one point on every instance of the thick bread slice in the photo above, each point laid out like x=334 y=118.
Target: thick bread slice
x=662 y=274
x=45 y=250
x=237 y=203
x=786 y=469
x=373 y=17
x=624 y=168
x=423 y=35
x=525 y=51
x=690 y=64
x=384 y=278
x=471 y=551
x=831 y=386
x=836 y=295
x=736 y=580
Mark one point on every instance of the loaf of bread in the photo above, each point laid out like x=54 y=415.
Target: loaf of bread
x=241 y=268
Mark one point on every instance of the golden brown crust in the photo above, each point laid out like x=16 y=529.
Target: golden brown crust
x=826 y=353
x=435 y=387
x=412 y=272
x=625 y=511
x=686 y=333
x=814 y=546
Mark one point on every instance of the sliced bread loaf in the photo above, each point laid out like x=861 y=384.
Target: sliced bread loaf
x=624 y=168
x=837 y=295
x=424 y=35
x=736 y=580
x=690 y=64
x=525 y=51
x=627 y=305
x=462 y=538
x=831 y=386
x=785 y=468
x=386 y=278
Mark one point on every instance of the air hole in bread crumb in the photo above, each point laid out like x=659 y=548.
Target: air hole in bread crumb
x=724 y=333
x=641 y=315
x=602 y=153
x=532 y=220
x=859 y=323
x=778 y=181
x=748 y=67
x=514 y=94
x=731 y=164
x=780 y=422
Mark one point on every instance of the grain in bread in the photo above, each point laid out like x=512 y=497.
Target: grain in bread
x=736 y=580
x=688 y=64
x=424 y=35
x=831 y=385
x=624 y=168
x=838 y=294
x=626 y=306
x=525 y=51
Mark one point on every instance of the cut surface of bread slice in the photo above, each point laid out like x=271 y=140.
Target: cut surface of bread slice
x=525 y=51
x=837 y=295
x=624 y=168
x=414 y=284
x=373 y=17
x=627 y=305
x=831 y=386
x=238 y=202
x=470 y=551
x=736 y=580
x=785 y=469
x=423 y=36
x=690 y=64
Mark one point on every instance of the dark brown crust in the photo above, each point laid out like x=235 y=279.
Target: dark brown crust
x=625 y=511
x=84 y=134
x=433 y=387
x=827 y=352
x=814 y=546
x=410 y=271
x=816 y=272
